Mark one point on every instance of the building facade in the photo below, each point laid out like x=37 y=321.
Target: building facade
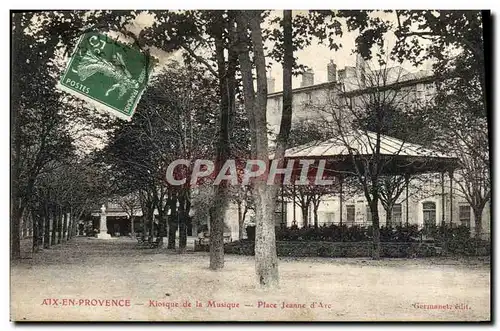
x=348 y=87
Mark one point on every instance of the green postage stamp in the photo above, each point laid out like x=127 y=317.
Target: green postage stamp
x=108 y=74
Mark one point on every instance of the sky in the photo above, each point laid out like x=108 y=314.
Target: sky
x=315 y=56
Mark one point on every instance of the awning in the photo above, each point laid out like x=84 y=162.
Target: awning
x=358 y=147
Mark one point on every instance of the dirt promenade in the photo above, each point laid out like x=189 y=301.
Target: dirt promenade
x=95 y=280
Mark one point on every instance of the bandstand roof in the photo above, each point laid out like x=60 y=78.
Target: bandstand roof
x=399 y=157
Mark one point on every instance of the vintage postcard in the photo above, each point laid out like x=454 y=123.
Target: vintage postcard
x=250 y=165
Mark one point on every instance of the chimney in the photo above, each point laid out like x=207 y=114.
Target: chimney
x=307 y=78
x=360 y=69
x=341 y=74
x=331 y=68
x=270 y=84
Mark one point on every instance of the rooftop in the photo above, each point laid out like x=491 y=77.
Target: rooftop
x=403 y=78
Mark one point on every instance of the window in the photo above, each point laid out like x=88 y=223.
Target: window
x=420 y=92
x=429 y=210
x=464 y=212
x=279 y=214
x=308 y=97
x=397 y=214
x=351 y=214
x=429 y=91
x=413 y=95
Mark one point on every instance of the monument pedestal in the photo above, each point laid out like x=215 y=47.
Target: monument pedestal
x=104 y=235
x=103 y=229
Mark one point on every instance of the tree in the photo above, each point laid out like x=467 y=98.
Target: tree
x=474 y=176
x=460 y=118
x=364 y=109
x=40 y=127
x=61 y=196
x=250 y=39
x=213 y=32
x=305 y=132
x=266 y=260
x=255 y=104
x=226 y=78
x=243 y=197
x=466 y=136
x=404 y=118
x=454 y=41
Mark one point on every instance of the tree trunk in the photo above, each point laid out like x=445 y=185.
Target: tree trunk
x=266 y=261
x=161 y=225
x=70 y=226
x=74 y=224
x=227 y=97
x=478 y=224
x=217 y=232
x=241 y=220
x=315 y=211
x=151 y=224
x=185 y=217
x=39 y=226
x=71 y=220
x=375 y=168
x=172 y=224
x=65 y=226
x=46 y=217
x=182 y=224
x=15 y=202
x=376 y=229
x=53 y=222
x=172 y=230
x=15 y=237
x=304 y=210
x=132 y=230
x=59 y=225
x=182 y=233
x=36 y=231
x=388 y=217
x=41 y=231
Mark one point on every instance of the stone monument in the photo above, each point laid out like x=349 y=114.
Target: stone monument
x=103 y=229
